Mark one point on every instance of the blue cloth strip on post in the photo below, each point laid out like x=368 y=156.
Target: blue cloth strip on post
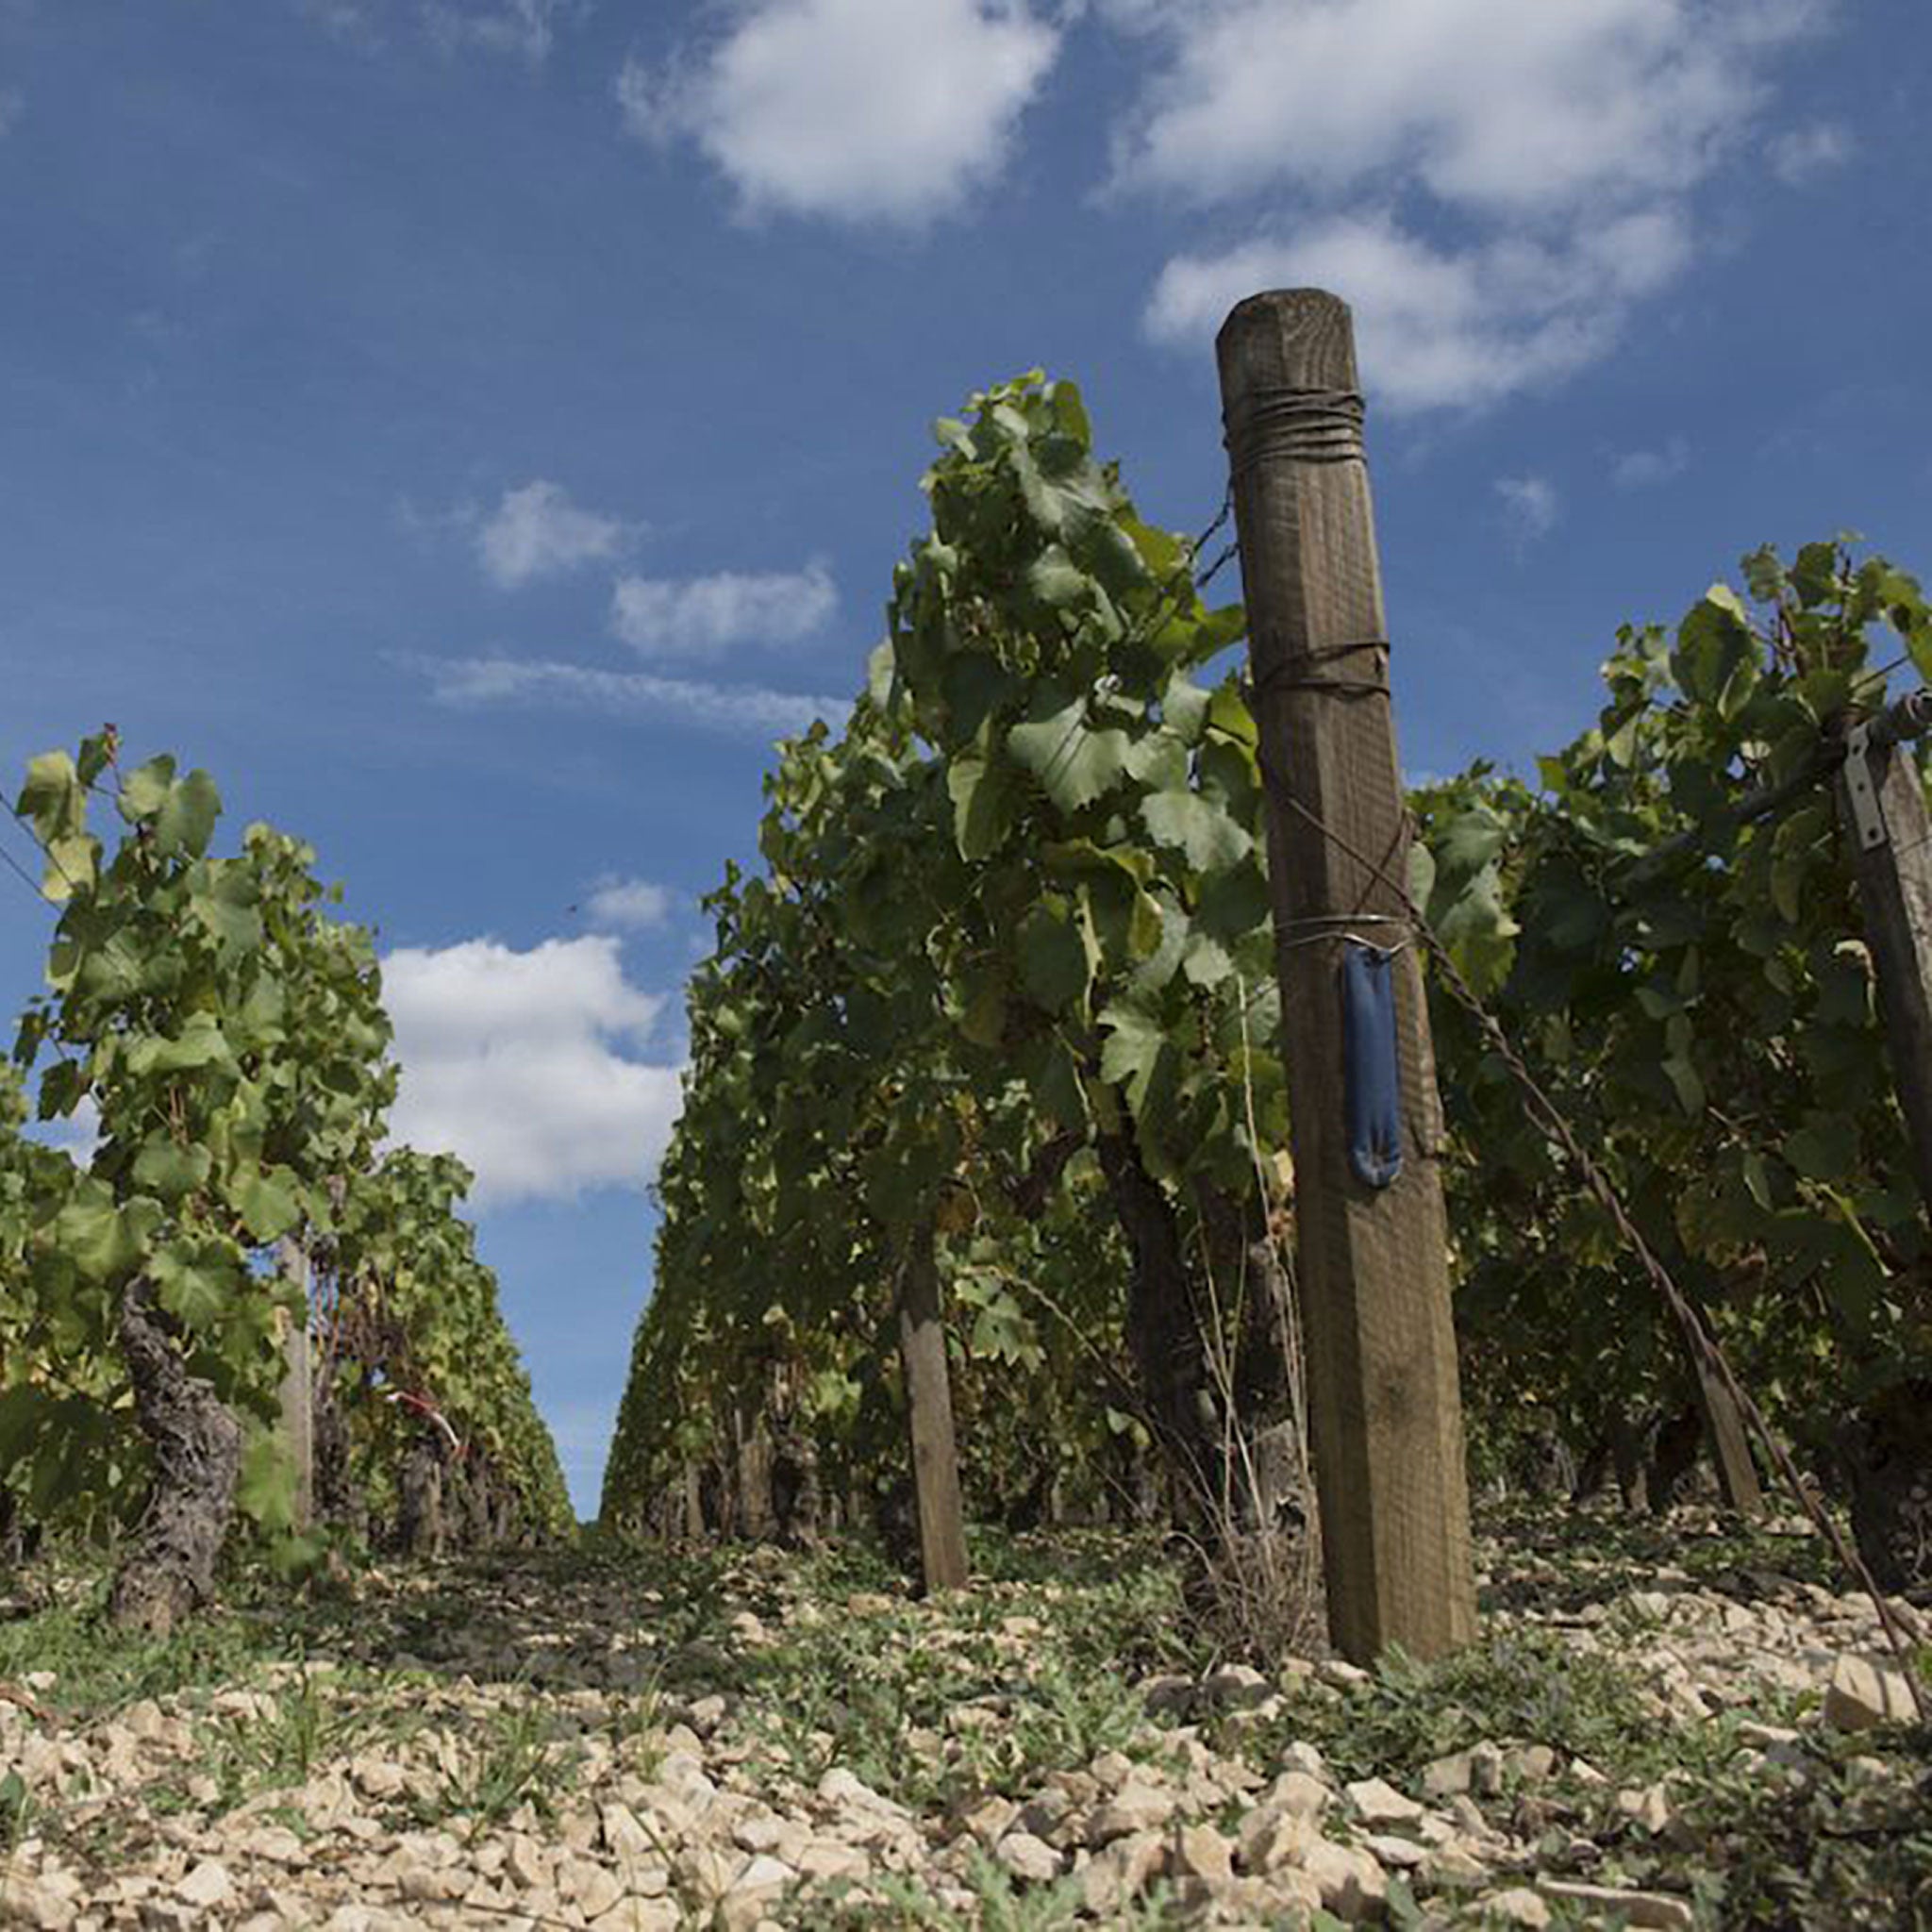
x=1373 y=1081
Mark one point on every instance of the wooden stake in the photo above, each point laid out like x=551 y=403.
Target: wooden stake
x=1728 y=1440
x=1894 y=877
x=929 y=1418
x=298 y=1388
x=1385 y=1410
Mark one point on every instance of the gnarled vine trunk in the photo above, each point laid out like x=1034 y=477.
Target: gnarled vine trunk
x=1165 y=1332
x=1887 y=1455
x=420 y=1528
x=196 y=1444
x=338 y=1502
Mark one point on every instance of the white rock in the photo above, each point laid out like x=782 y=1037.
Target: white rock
x=1646 y=1909
x=1445 y=1777
x=1028 y=1858
x=1862 y=1693
x=1354 y=1886
x=1401 y=1853
x=1116 y=1875
x=1134 y=1808
x=1649 y=1808
x=1236 y=1686
x=526 y=1863
x=988 y=1818
x=1378 y=1803
x=643 y=1915
x=1274 y=1836
x=1201 y=1851
x=593 y=1888
x=1518 y=1906
x=25 y=1901
x=207 y=1885
x=623 y=1832
x=1296 y=1791
x=706 y=1871
x=826 y=1858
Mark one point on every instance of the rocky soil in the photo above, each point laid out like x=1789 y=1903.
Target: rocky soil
x=1658 y=1727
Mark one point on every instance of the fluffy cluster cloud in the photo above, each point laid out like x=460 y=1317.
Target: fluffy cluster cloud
x=631 y=905
x=525 y=1066
x=1637 y=469
x=1441 y=325
x=888 y=111
x=1560 y=144
x=504 y=26
x=704 y=617
x=1799 y=153
x=734 y=710
x=538 y=531
x=1529 y=506
x=524 y=27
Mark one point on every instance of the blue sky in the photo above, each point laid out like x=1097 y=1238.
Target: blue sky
x=472 y=429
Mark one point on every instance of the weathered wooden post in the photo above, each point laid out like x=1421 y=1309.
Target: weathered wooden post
x=1881 y=804
x=1385 y=1409
x=929 y=1417
x=298 y=1388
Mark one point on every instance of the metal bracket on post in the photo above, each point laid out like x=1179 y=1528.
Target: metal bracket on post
x=1868 y=815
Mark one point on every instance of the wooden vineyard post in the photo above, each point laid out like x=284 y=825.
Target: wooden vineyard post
x=929 y=1417
x=298 y=1388
x=1384 y=1405
x=1882 y=810
x=1728 y=1440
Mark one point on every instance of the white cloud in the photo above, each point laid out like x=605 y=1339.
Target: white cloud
x=1529 y=507
x=537 y=532
x=1559 y=143
x=1800 y=154
x=1437 y=327
x=633 y=903
x=501 y=26
x=1637 y=469
x=732 y=710
x=1497 y=105
x=524 y=28
x=515 y=1063
x=890 y=110
x=702 y=617
x=76 y=1135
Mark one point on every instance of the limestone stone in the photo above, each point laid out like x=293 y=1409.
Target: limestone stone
x=1028 y=1858
x=1379 y=1805
x=1353 y=1886
x=1273 y=1837
x=623 y=1833
x=1134 y=1808
x=642 y=1915
x=1397 y=1853
x=1656 y=1909
x=205 y=1885
x=26 y=1901
x=526 y=1862
x=1201 y=1851
x=1518 y=1905
x=825 y=1859
x=1298 y=1792
x=1117 y=1873
x=1862 y=1693
x=1649 y=1808
x=1236 y=1686
x=593 y=1888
